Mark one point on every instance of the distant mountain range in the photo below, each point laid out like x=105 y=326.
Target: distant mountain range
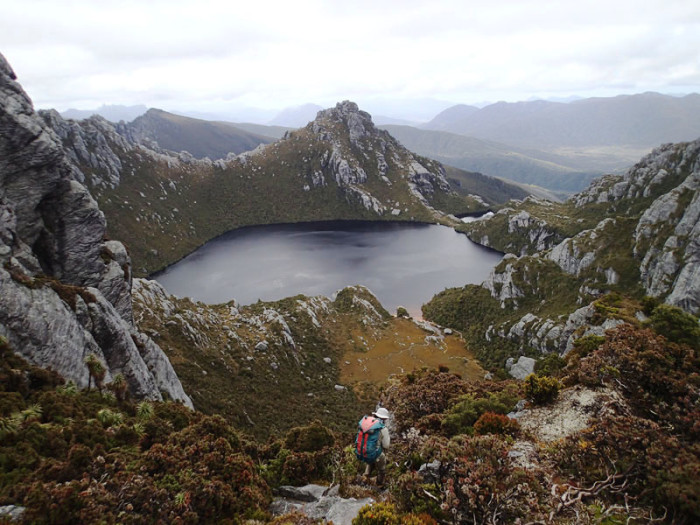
x=644 y=120
x=560 y=146
x=113 y=113
x=495 y=159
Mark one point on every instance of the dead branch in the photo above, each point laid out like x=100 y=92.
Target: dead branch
x=573 y=494
x=430 y=495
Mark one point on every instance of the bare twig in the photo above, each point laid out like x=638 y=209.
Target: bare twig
x=573 y=494
x=430 y=495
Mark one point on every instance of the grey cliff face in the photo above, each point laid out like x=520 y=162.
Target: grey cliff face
x=515 y=230
x=64 y=290
x=667 y=239
x=641 y=180
x=500 y=282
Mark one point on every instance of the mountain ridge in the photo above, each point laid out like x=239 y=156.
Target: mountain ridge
x=340 y=166
x=495 y=159
x=201 y=138
x=630 y=235
x=647 y=120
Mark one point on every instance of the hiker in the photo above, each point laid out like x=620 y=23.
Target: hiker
x=371 y=442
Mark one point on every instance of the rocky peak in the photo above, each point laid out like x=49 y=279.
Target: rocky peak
x=358 y=123
x=359 y=149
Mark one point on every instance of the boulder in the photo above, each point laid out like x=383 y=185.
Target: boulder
x=522 y=368
x=318 y=502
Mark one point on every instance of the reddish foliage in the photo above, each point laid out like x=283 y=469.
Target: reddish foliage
x=661 y=380
x=422 y=394
x=490 y=423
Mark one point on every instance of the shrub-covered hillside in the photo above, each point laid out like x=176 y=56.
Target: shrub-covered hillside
x=611 y=438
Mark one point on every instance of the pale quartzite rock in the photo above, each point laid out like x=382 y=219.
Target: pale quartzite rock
x=64 y=291
x=522 y=368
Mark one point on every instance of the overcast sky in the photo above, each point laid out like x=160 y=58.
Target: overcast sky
x=218 y=56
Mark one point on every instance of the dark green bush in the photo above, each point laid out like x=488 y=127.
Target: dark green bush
x=550 y=365
x=402 y=312
x=676 y=325
x=309 y=438
x=462 y=416
x=541 y=390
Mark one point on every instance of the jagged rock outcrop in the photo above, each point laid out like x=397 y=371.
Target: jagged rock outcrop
x=667 y=238
x=649 y=225
x=514 y=229
x=64 y=290
x=576 y=254
x=640 y=227
x=552 y=335
x=644 y=179
x=521 y=368
x=500 y=281
x=370 y=147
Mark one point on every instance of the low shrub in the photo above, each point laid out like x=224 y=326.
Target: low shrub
x=541 y=389
x=402 y=312
x=462 y=416
x=473 y=481
x=309 y=438
x=490 y=423
x=423 y=393
x=676 y=325
x=385 y=513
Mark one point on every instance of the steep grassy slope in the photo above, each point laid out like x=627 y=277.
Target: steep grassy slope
x=496 y=159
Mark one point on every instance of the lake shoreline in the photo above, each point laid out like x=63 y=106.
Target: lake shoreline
x=402 y=263
x=153 y=275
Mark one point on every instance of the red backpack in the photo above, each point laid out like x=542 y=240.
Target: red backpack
x=368 y=443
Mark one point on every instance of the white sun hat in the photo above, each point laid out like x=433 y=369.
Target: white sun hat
x=381 y=413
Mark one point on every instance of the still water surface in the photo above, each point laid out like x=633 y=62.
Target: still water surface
x=403 y=264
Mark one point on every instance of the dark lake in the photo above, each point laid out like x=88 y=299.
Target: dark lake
x=401 y=263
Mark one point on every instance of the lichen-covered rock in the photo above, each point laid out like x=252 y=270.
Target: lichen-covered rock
x=667 y=238
x=522 y=368
x=576 y=254
x=500 y=281
x=64 y=290
x=515 y=230
x=318 y=503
